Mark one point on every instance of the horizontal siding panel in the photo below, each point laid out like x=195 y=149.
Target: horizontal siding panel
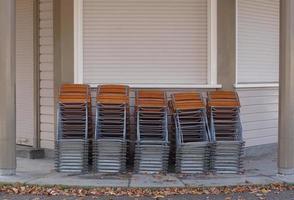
x=258 y=41
x=47 y=119
x=47 y=110
x=128 y=41
x=46 y=33
x=261 y=92
x=46 y=40
x=44 y=101
x=259 y=100
x=48 y=144
x=46 y=23
x=261 y=141
x=46 y=50
x=46 y=6
x=259 y=115
x=45 y=127
x=46 y=15
x=46 y=58
x=46 y=75
x=47 y=135
x=46 y=67
x=261 y=124
x=47 y=84
x=47 y=103
x=47 y=93
x=250 y=109
x=261 y=133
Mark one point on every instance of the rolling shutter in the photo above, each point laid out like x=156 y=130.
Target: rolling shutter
x=258 y=41
x=145 y=41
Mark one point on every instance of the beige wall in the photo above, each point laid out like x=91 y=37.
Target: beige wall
x=226 y=43
x=25 y=72
x=67 y=40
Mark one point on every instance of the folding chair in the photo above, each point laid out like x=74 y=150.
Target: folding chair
x=191 y=133
x=111 y=138
x=73 y=129
x=228 y=145
x=152 y=145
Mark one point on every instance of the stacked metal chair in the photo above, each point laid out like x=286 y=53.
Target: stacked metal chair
x=228 y=145
x=111 y=139
x=152 y=146
x=191 y=133
x=73 y=129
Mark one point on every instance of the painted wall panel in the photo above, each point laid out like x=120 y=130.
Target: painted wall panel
x=25 y=127
x=259 y=115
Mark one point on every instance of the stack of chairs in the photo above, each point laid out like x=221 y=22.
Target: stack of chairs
x=73 y=128
x=226 y=132
x=192 y=134
x=111 y=139
x=152 y=146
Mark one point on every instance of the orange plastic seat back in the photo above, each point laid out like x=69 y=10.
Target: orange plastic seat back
x=112 y=99
x=187 y=101
x=223 y=99
x=113 y=89
x=74 y=93
x=151 y=98
x=112 y=94
x=187 y=96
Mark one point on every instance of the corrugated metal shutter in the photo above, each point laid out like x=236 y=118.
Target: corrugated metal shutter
x=258 y=41
x=24 y=72
x=145 y=41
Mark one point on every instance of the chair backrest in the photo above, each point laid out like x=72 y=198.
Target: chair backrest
x=112 y=99
x=74 y=93
x=113 y=90
x=223 y=99
x=151 y=98
x=187 y=101
x=112 y=94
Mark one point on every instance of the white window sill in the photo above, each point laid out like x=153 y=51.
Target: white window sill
x=170 y=86
x=258 y=85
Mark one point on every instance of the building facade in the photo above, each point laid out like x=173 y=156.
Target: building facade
x=172 y=45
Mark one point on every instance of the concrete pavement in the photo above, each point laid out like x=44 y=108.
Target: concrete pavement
x=260 y=169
